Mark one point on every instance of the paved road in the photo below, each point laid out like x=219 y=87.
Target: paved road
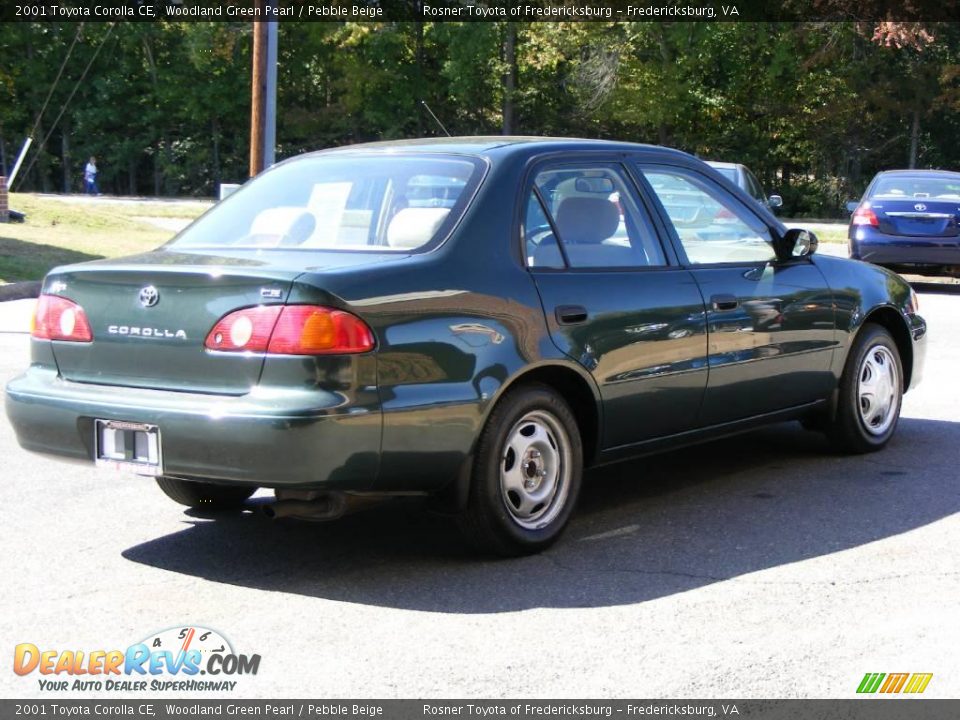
x=762 y=566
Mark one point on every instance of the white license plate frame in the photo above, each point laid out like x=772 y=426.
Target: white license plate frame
x=128 y=447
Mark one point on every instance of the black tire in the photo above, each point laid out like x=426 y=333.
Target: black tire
x=206 y=496
x=849 y=430
x=546 y=457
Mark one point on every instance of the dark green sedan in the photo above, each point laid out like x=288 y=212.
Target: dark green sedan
x=476 y=319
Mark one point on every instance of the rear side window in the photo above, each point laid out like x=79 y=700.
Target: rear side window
x=382 y=203
x=585 y=217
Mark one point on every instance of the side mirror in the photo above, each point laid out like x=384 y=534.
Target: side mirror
x=852 y=206
x=775 y=201
x=796 y=243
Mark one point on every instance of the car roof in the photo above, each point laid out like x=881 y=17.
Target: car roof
x=718 y=164
x=920 y=172
x=483 y=145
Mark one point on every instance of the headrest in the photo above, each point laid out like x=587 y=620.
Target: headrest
x=413 y=227
x=287 y=225
x=586 y=220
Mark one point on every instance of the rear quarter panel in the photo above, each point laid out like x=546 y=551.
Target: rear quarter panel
x=454 y=327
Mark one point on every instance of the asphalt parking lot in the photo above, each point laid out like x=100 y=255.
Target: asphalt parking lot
x=761 y=566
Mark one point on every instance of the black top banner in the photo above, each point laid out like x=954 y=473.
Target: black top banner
x=480 y=10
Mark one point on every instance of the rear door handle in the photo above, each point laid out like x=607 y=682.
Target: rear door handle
x=724 y=302
x=570 y=314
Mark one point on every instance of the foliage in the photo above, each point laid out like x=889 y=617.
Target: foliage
x=814 y=108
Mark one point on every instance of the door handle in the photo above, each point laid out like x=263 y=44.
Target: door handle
x=570 y=314
x=724 y=302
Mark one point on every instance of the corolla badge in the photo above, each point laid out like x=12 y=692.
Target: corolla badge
x=149 y=296
x=919 y=207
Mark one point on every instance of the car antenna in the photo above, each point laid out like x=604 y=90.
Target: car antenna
x=436 y=119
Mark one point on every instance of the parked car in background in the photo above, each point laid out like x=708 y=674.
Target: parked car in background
x=909 y=221
x=473 y=319
x=741 y=176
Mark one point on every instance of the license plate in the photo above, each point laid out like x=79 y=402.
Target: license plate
x=128 y=447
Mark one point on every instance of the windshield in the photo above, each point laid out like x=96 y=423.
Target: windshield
x=381 y=202
x=917 y=186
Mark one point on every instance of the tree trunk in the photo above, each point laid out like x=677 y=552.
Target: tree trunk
x=132 y=174
x=914 y=139
x=41 y=167
x=509 y=77
x=215 y=137
x=418 y=29
x=156 y=171
x=65 y=157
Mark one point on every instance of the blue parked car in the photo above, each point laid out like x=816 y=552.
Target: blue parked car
x=907 y=221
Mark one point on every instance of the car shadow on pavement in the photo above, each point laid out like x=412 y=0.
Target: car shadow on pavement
x=934 y=288
x=644 y=529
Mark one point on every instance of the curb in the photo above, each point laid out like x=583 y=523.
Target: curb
x=20 y=290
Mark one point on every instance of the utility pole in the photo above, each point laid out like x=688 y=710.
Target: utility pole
x=270 y=121
x=263 y=105
x=259 y=91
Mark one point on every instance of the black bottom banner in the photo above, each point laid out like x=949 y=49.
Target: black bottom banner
x=874 y=708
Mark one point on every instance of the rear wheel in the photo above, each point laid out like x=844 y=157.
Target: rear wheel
x=870 y=393
x=526 y=474
x=204 y=495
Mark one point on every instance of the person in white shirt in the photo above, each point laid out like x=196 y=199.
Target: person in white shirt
x=90 y=177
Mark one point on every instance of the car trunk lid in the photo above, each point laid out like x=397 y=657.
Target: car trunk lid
x=151 y=314
x=917 y=217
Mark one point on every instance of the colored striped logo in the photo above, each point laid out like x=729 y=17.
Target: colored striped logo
x=913 y=683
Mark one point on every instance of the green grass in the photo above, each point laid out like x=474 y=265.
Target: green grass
x=58 y=232
x=838 y=235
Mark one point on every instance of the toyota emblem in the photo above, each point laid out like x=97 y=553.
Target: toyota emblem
x=919 y=207
x=149 y=296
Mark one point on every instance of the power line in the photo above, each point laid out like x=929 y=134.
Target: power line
x=63 y=109
x=53 y=87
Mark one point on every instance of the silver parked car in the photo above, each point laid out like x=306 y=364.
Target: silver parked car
x=741 y=176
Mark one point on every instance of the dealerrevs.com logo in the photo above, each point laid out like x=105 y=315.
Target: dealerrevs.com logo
x=894 y=683
x=177 y=659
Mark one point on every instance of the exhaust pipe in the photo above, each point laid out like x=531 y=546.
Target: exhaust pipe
x=307 y=505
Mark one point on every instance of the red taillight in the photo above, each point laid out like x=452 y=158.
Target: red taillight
x=291 y=330
x=246 y=330
x=865 y=216
x=57 y=318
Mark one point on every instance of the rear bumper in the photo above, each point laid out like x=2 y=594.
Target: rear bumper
x=269 y=438
x=908 y=254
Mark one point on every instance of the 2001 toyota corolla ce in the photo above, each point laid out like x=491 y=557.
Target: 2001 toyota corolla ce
x=476 y=319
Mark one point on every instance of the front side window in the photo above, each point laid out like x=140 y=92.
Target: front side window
x=710 y=224
x=382 y=203
x=593 y=221
x=754 y=187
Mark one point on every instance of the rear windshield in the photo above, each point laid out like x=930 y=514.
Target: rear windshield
x=917 y=186
x=728 y=172
x=376 y=202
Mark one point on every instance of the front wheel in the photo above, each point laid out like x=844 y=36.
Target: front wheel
x=870 y=394
x=204 y=495
x=526 y=474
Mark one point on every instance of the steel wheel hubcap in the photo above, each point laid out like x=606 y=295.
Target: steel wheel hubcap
x=878 y=390
x=535 y=470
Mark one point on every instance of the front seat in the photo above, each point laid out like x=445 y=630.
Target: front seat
x=584 y=223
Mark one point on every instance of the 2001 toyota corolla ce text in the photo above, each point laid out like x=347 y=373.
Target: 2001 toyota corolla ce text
x=475 y=318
